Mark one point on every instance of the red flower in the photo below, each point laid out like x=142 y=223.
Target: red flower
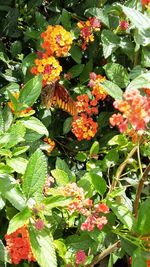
x=123 y=25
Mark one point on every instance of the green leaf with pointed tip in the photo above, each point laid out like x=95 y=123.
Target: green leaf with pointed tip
x=31 y=91
x=98 y=182
x=142 y=81
x=36 y=125
x=42 y=247
x=16 y=198
x=35 y=175
x=18 y=164
x=142 y=225
x=94 y=149
x=60 y=176
x=110 y=42
x=112 y=89
x=117 y=73
x=76 y=53
x=19 y=220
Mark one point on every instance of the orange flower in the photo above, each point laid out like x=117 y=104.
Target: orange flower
x=49 y=68
x=84 y=127
x=84 y=104
x=57 y=41
x=51 y=144
x=18 y=245
x=86 y=30
x=95 y=83
x=145 y=2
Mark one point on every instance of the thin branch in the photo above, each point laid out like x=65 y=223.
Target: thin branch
x=139 y=190
x=121 y=168
x=105 y=253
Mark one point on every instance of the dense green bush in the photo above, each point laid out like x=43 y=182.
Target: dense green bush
x=74 y=133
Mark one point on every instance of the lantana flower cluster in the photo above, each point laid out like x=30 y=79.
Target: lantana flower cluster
x=87 y=30
x=83 y=125
x=86 y=207
x=49 y=68
x=95 y=83
x=56 y=43
x=18 y=245
x=135 y=112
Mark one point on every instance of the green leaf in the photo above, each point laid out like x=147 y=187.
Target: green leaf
x=111 y=158
x=117 y=73
x=94 y=149
x=42 y=247
x=81 y=156
x=99 y=13
x=103 y=119
x=3 y=254
x=14 y=135
x=56 y=201
x=76 y=70
x=36 y=125
x=6 y=182
x=19 y=150
x=84 y=77
x=35 y=175
x=142 y=81
x=16 y=198
x=1 y=122
x=2 y=202
x=142 y=225
x=138 y=259
x=145 y=57
x=18 y=164
x=122 y=213
x=77 y=242
x=15 y=48
x=31 y=91
x=128 y=47
x=140 y=21
x=98 y=183
x=7 y=117
x=76 y=53
x=62 y=165
x=60 y=176
x=112 y=89
x=27 y=62
x=66 y=19
x=110 y=42
x=19 y=220
x=67 y=125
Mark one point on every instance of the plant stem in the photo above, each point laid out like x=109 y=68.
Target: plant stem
x=139 y=159
x=121 y=168
x=105 y=253
x=139 y=190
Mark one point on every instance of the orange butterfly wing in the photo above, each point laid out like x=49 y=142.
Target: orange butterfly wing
x=57 y=95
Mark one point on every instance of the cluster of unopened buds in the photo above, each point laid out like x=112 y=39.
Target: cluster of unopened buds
x=135 y=113
x=18 y=245
x=87 y=30
x=56 y=43
x=86 y=207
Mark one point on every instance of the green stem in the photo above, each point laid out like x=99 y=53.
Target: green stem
x=121 y=169
x=139 y=159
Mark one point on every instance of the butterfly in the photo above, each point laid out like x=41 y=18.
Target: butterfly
x=55 y=94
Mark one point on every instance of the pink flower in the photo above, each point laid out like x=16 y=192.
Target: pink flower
x=102 y=208
x=80 y=257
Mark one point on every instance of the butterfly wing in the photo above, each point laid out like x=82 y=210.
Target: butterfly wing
x=57 y=95
x=64 y=100
x=47 y=96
